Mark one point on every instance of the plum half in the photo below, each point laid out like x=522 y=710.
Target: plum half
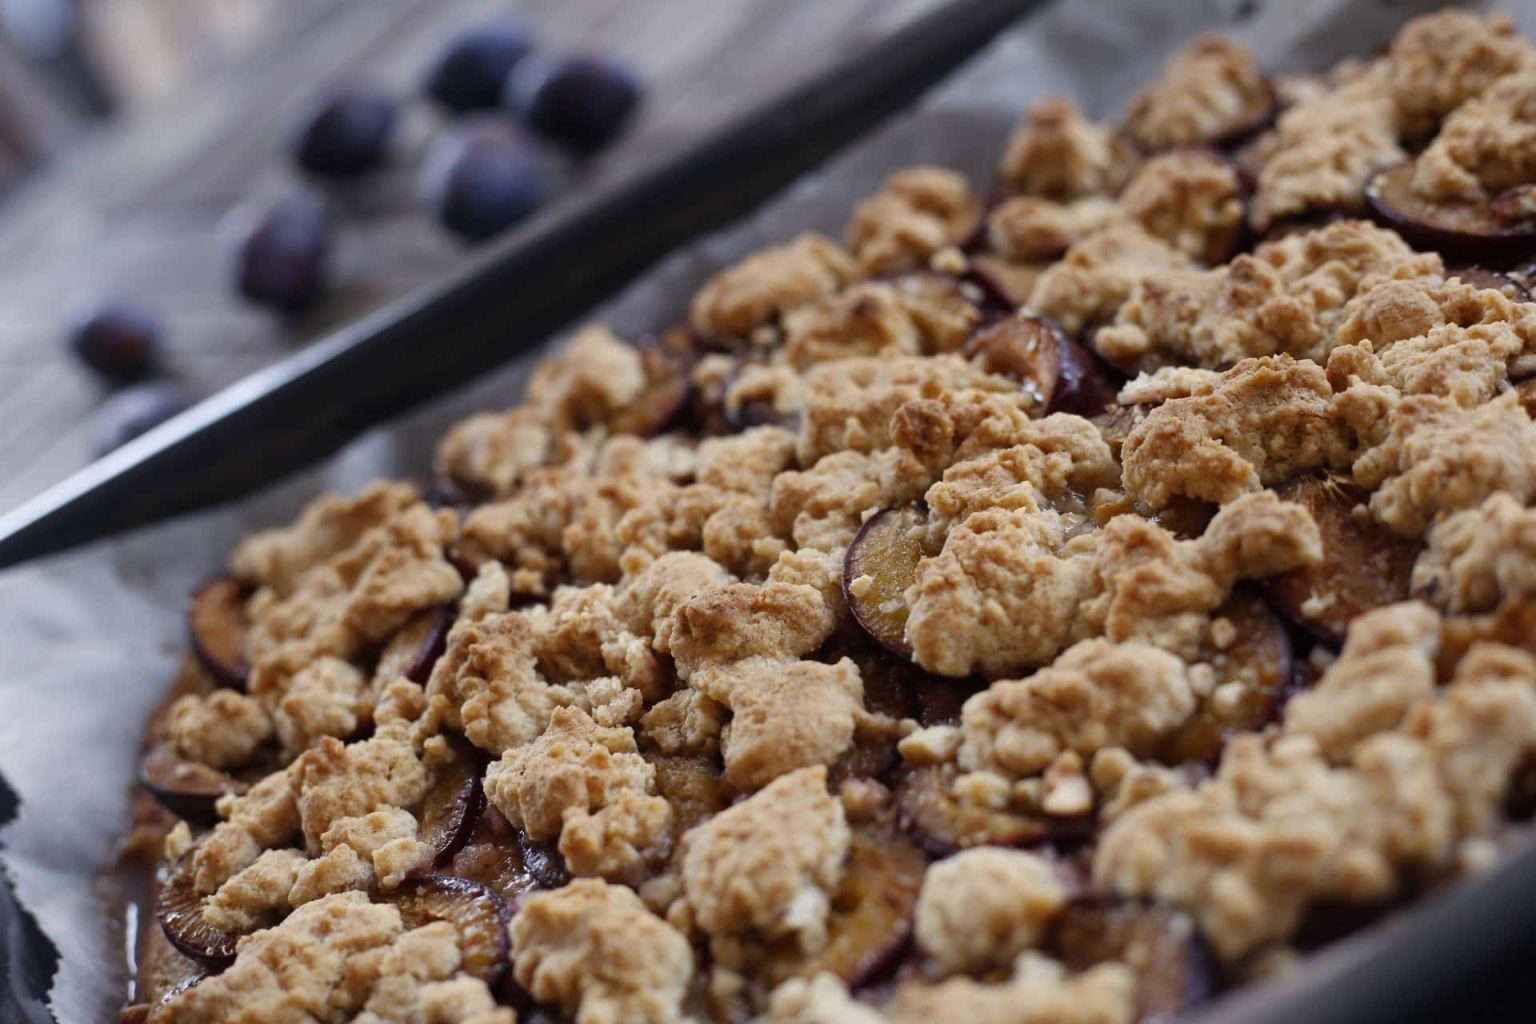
x=1253 y=666
x=1039 y=354
x=180 y=910
x=454 y=801
x=185 y=788
x=416 y=647
x=474 y=909
x=943 y=823
x=1364 y=564
x=1174 y=970
x=1470 y=231
x=877 y=570
x=218 y=626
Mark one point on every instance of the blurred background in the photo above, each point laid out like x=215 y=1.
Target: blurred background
x=192 y=189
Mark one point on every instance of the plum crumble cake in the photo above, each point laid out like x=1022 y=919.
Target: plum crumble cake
x=1062 y=602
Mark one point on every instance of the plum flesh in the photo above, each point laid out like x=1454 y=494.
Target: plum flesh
x=878 y=569
x=185 y=788
x=218 y=626
x=474 y=909
x=1472 y=231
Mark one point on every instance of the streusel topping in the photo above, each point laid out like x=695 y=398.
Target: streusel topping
x=1048 y=603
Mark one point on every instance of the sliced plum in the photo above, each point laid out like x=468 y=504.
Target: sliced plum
x=1174 y=970
x=473 y=908
x=185 y=788
x=877 y=570
x=1482 y=277
x=1251 y=654
x=870 y=923
x=1364 y=564
x=454 y=801
x=180 y=910
x=1472 y=231
x=218 y=626
x=943 y=823
x=542 y=861
x=492 y=856
x=1006 y=285
x=416 y=647
x=668 y=363
x=1043 y=358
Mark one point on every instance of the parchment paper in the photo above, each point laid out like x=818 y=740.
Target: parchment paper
x=89 y=641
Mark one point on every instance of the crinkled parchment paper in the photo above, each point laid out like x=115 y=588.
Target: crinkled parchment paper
x=89 y=641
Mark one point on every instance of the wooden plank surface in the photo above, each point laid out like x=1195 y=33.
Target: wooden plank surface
x=147 y=210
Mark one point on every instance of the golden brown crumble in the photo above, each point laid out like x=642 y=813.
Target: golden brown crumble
x=1210 y=89
x=630 y=680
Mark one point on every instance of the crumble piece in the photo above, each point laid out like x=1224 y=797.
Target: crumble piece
x=388 y=838
x=361 y=595
x=1487 y=145
x=983 y=907
x=279 y=558
x=917 y=212
x=1097 y=274
x=1285 y=297
x=1440 y=61
x=489 y=685
x=746 y=463
x=222 y=730
x=1432 y=337
x=305 y=969
x=1131 y=580
x=1097 y=694
x=461 y=1000
x=588 y=786
x=264 y=817
x=744 y=620
x=327 y=697
x=341 y=870
x=1438 y=458
x=1325 y=148
x=783 y=716
x=764 y=286
x=824 y=506
x=849 y=403
x=768 y=864
x=339 y=780
x=256 y=895
x=1028 y=229
x=876 y=318
x=1058 y=153
x=596 y=950
x=688 y=722
x=822 y=999
x=1040 y=992
x=1267 y=420
x=1210 y=89
x=1478 y=557
x=1154 y=387
x=1386 y=669
x=594 y=375
x=646 y=603
x=1191 y=200
x=415 y=982
x=494 y=450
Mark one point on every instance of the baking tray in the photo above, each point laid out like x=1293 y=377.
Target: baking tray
x=1459 y=956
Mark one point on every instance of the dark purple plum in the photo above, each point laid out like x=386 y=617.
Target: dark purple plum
x=180 y=910
x=347 y=134
x=473 y=908
x=1174 y=969
x=582 y=102
x=877 y=570
x=283 y=261
x=472 y=69
x=1473 y=232
x=185 y=788
x=543 y=862
x=217 y=623
x=1364 y=564
x=454 y=801
x=1504 y=284
x=1043 y=358
x=136 y=410
x=120 y=340
x=413 y=650
x=479 y=181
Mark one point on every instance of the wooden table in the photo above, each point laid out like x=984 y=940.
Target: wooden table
x=147 y=209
